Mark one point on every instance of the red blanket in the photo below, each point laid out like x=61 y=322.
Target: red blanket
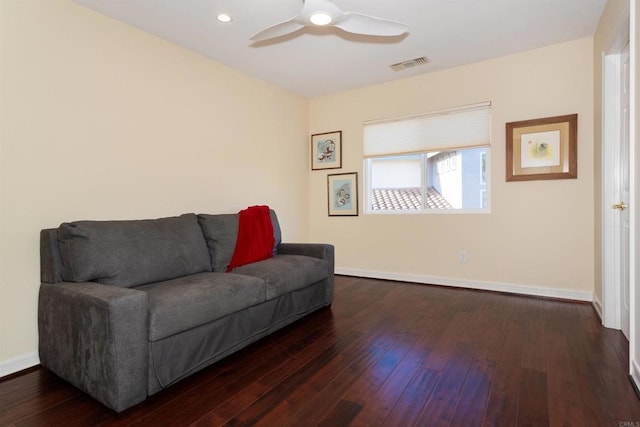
x=255 y=237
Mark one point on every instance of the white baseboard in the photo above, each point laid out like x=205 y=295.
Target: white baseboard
x=19 y=363
x=635 y=374
x=597 y=305
x=470 y=284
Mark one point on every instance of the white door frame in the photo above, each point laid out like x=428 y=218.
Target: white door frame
x=611 y=286
x=634 y=172
x=611 y=225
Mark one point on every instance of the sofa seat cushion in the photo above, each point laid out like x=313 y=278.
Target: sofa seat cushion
x=286 y=273
x=181 y=304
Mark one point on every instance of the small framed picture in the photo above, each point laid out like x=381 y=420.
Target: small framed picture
x=326 y=150
x=544 y=148
x=342 y=191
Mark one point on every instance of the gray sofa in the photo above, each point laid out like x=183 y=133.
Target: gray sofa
x=127 y=308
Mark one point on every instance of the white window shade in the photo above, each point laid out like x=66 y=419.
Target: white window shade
x=459 y=128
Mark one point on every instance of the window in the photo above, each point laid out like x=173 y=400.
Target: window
x=437 y=162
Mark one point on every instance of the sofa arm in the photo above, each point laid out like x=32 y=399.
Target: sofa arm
x=317 y=250
x=95 y=337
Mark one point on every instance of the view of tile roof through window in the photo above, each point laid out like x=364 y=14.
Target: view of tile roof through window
x=406 y=199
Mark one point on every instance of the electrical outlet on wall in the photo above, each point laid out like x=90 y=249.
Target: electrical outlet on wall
x=464 y=256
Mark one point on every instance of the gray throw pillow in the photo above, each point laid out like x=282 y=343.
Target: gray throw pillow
x=132 y=253
x=221 y=234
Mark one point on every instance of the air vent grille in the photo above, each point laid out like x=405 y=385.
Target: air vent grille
x=409 y=63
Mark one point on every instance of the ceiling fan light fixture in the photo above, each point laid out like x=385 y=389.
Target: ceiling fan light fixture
x=320 y=18
x=325 y=13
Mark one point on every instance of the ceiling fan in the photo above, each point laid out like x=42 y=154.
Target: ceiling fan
x=324 y=13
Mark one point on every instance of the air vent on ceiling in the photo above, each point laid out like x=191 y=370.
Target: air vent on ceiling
x=409 y=64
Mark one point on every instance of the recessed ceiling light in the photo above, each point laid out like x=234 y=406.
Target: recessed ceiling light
x=223 y=17
x=320 y=18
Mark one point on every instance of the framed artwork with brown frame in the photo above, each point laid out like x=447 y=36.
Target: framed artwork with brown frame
x=326 y=150
x=544 y=148
x=342 y=192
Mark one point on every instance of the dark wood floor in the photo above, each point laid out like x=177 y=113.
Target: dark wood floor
x=388 y=354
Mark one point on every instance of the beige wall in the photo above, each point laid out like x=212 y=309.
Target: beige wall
x=539 y=234
x=102 y=121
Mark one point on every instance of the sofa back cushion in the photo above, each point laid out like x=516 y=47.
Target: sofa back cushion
x=221 y=234
x=132 y=253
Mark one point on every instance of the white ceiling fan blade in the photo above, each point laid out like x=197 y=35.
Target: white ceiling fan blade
x=278 y=30
x=358 y=23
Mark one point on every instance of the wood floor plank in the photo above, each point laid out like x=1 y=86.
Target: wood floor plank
x=322 y=379
x=502 y=406
x=287 y=389
x=564 y=401
x=285 y=383
x=440 y=407
x=473 y=396
x=323 y=402
x=378 y=407
x=341 y=415
x=386 y=353
x=368 y=385
x=235 y=405
x=80 y=410
x=32 y=394
x=533 y=403
x=410 y=403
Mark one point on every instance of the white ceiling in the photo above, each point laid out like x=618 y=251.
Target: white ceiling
x=318 y=61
